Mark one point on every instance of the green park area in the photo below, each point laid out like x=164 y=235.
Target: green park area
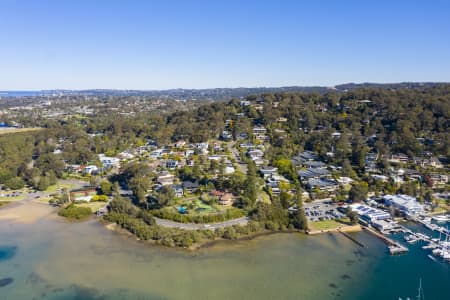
x=60 y=186
x=328 y=224
x=94 y=206
x=202 y=209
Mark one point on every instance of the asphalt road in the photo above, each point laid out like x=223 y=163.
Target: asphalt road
x=235 y=153
x=193 y=226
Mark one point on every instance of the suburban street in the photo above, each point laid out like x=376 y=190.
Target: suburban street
x=235 y=155
x=193 y=226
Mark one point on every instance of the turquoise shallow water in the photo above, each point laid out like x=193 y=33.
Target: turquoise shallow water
x=53 y=259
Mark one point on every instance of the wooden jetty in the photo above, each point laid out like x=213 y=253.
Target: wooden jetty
x=393 y=246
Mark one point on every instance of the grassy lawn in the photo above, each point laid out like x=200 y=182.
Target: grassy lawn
x=328 y=224
x=12 y=199
x=443 y=207
x=17 y=130
x=94 y=206
x=440 y=209
x=54 y=188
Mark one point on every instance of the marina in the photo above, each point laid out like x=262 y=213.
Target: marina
x=439 y=246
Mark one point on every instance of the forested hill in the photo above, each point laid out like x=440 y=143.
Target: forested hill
x=385 y=121
x=394 y=120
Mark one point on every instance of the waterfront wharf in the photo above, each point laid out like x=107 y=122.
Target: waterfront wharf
x=352 y=239
x=393 y=246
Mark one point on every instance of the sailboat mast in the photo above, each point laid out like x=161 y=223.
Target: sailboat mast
x=419 y=296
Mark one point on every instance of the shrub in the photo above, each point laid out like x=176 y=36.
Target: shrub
x=75 y=212
x=15 y=183
x=99 y=198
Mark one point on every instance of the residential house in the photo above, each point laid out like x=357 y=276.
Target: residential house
x=178 y=190
x=344 y=180
x=259 y=130
x=406 y=204
x=304 y=157
x=229 y=169
x=226 y=135
x=165 y=178
x=202 y=147
x=189 y=152
x=247 y=146
x=322 y=184
x=268 y=171
x=226 y=199
x=109 y=162
x=82 y=195
x=156 y=153
x=190 y=186
x=397 y=158
x=259 y=161
x=91 y=169
x=431 y=162
x=256 y=153
x=171 y=164
x=438 y=179
x=314 y=164
x=313 y=173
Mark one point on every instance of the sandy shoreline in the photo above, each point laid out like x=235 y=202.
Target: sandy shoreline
x=27 y=213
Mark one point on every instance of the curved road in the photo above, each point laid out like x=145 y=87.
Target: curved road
x=193 y=226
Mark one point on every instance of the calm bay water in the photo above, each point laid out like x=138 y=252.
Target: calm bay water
x=52 y=259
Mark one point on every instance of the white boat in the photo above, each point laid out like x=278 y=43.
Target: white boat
x=441 y=219
x=431 y=257
x=411 y=239
x=427 y=220
x=437 y=251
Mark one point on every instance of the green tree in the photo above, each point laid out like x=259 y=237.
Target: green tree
x=44 y=183
x=251 y=189
x=165 y=196
x=15 y=183
x=106 y=187
x=358 y=192
x=353 y=216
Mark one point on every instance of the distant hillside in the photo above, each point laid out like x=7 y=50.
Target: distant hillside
x=217 y=93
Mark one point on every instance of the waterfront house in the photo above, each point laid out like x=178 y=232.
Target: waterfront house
x=91 y=169
x=82 y=195
x=404 y=203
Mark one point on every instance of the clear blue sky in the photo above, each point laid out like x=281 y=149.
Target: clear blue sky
x=130 y=44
